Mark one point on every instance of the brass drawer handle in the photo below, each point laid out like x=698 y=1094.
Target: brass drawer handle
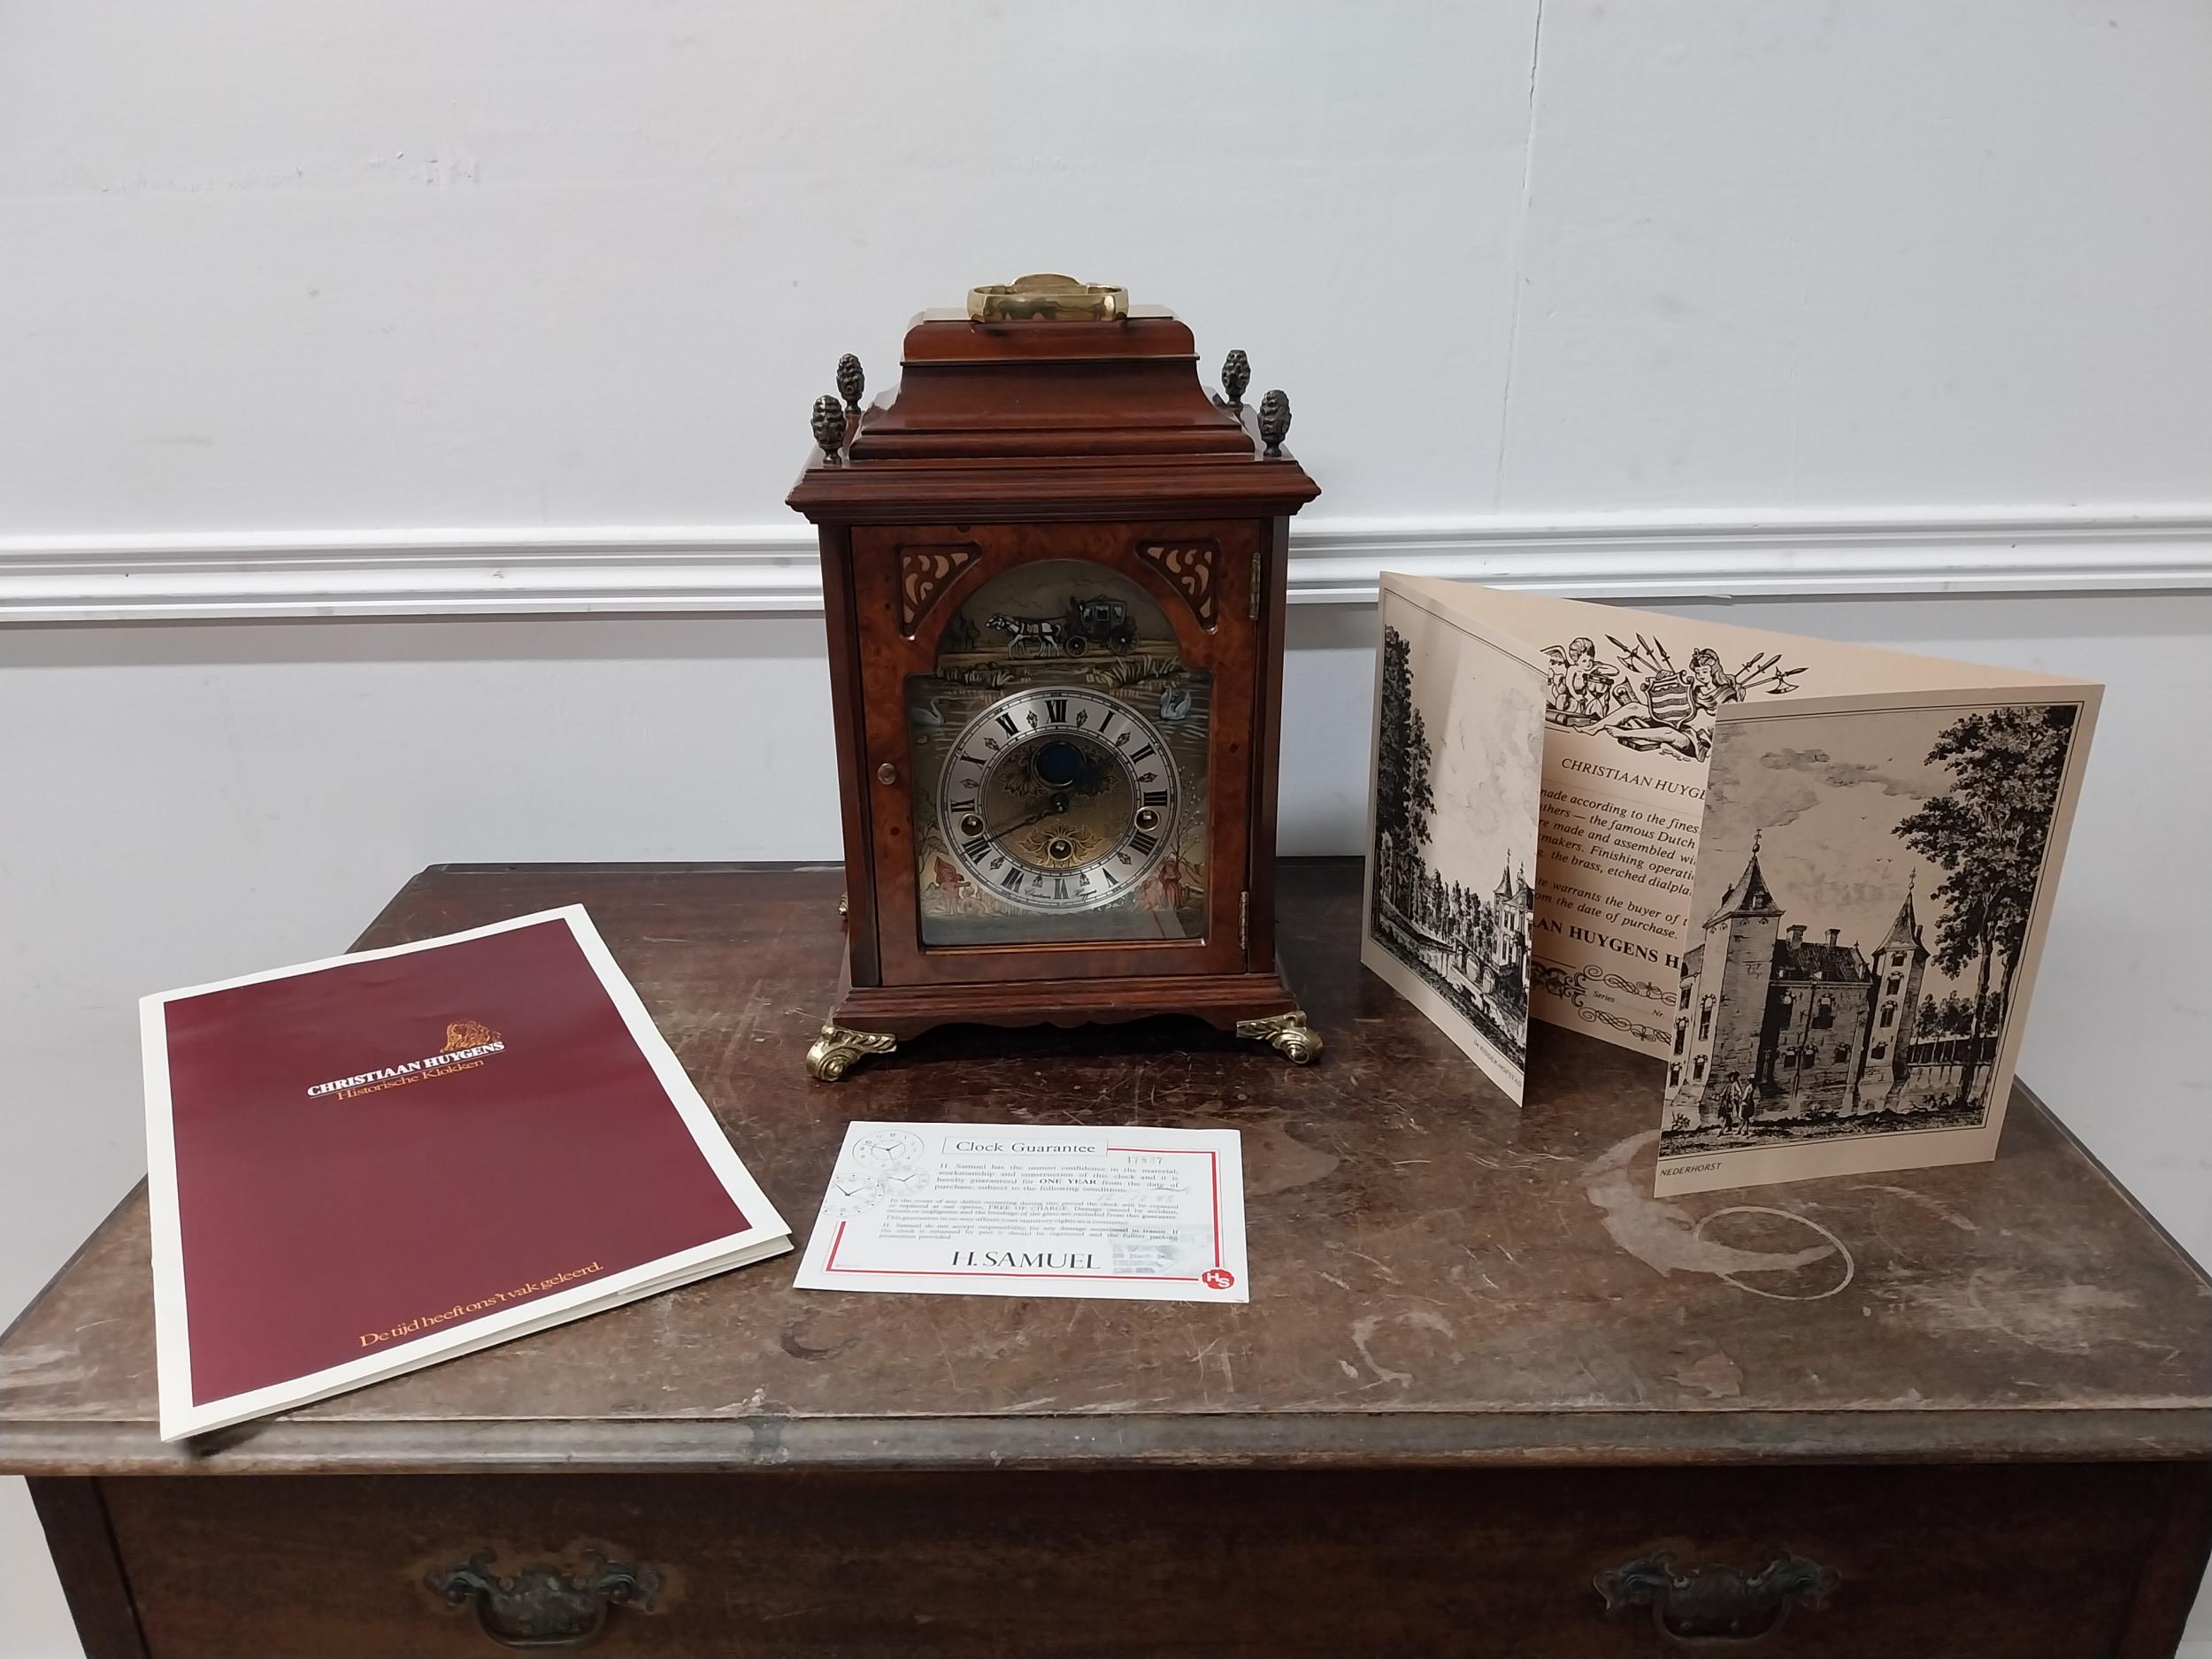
x=542 y=1606
x=1716 y=1605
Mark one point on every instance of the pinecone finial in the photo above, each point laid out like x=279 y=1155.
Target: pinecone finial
x=829 y=425
x=850 y=383
x=1236 y=374
x=1274 y=421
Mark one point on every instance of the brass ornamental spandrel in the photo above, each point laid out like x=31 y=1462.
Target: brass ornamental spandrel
x=1047 y=297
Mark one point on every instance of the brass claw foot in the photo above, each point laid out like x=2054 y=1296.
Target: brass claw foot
x=837 y=1051
x=1288 y=1034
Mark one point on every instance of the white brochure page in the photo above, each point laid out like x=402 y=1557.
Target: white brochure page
x=1009 y=1210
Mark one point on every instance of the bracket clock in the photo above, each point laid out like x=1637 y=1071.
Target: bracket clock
x=1054 y=575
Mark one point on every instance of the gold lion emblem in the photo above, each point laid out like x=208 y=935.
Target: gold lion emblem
x=467 y=1033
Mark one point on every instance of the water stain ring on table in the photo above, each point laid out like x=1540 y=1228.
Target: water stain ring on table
x=1665 y=1238
x=1841 y=1250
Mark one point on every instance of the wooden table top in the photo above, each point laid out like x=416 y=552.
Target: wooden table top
x=1436 y=1277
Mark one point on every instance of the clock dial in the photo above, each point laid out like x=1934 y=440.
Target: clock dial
x=1059 y=759
x=1059 y=798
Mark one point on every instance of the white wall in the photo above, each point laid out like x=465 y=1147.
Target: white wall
x=406 y=263
x=361 y=269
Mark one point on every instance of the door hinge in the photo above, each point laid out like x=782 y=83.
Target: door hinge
x=1244 y=921
x=1259 y=558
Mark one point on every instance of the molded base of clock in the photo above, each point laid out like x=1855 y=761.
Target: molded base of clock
x=1224 y=1000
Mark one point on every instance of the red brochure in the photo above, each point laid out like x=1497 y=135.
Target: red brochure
x=364 y=1166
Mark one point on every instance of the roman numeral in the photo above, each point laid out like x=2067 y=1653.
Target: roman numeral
x=1152 y=797
x=970 y=760
x=977 y=848
x=968 y=805
x=1007 y=720
x=1112 y=880
x=1056 y=710
x=1141 y=754
x=1105 y=720
x=1143 y=842
x=1013 y=875
x=1059 y=888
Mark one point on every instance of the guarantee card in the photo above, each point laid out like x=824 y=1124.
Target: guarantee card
x=1007 y=1209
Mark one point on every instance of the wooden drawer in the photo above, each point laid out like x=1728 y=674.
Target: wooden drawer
x=1991 y=1560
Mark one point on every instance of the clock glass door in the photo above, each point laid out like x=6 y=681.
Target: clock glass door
x=1059 y=748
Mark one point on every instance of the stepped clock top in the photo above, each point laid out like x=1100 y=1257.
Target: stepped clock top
x=1048 y=371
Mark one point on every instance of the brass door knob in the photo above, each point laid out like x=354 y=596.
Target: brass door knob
x=886 y=773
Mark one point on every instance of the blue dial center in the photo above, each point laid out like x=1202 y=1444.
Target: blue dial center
x=1057 y=764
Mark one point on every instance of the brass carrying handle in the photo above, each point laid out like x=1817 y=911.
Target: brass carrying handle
x=1047 y=297
x=542 y=1606
x=1716 y=1605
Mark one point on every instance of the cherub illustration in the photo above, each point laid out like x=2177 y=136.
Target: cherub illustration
x=1580 y=690
x=1646 y=703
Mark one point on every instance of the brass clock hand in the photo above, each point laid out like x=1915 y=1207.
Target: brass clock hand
x=1053 y=808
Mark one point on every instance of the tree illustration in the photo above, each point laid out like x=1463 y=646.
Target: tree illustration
x=1404 y=795
x=1988 y=832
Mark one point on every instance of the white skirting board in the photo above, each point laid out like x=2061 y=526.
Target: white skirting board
x=738 y=568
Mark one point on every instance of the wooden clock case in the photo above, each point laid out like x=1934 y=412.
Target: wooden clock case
x=1007 y=442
